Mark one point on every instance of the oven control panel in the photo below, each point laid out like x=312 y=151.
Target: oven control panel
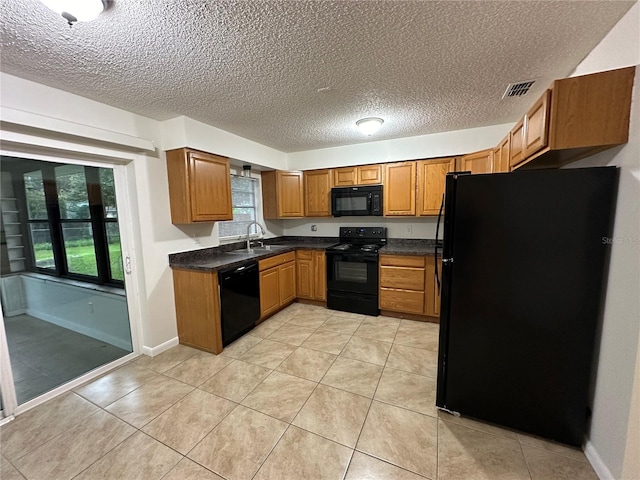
x=364 y=233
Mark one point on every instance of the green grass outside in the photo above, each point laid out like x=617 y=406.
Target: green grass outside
x=81 y=258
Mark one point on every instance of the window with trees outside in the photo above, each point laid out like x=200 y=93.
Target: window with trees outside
x=72 y=222
x=243 y=200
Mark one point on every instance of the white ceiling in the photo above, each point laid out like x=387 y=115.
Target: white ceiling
x=254 y=68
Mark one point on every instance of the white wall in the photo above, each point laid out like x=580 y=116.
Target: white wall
x=99 y=315
x=186 y=132
x=410 y=148
x=414 y=227
x=614 y=436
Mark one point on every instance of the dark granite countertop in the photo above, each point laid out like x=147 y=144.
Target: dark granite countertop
x=411 y=246
x=229 y=255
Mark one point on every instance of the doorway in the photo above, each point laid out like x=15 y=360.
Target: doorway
x=62 y=274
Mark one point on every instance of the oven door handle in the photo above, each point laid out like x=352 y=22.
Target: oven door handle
x=354 y=257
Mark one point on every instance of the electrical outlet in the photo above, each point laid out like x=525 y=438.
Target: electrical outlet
x=314 y=228
x=409 y=229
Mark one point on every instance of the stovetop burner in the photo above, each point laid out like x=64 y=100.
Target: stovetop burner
x=361 y=239
x=342 y=246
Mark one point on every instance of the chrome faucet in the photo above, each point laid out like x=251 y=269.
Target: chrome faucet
x=248 y=233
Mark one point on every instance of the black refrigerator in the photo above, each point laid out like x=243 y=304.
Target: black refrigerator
x=524 y=270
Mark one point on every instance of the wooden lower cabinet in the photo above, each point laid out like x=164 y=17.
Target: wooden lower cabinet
x=287 y=282
x=432 y=305
x=269 y=291
x=198 y=309
x=277 y=283
x=402 y=282
x=311 y=275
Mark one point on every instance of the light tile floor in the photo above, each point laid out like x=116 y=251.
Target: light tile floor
x=309 y=394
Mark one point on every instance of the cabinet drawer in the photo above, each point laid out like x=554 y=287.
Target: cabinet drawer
x=402 y=260
x=407 y=278
x=402 y=301
x=304 y=254
x=277 y=260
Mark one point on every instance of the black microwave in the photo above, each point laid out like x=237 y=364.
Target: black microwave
x=356 y=201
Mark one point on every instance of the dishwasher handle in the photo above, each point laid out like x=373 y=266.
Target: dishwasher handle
x=244 y=269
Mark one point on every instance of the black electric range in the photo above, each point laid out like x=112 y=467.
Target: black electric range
x=352 y=270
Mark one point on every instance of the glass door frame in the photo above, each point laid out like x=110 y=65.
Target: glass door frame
x=124 y=181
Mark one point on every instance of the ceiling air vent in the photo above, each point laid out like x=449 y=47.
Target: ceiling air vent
x=518 y=89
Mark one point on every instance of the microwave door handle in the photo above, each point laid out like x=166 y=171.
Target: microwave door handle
x=369 y=202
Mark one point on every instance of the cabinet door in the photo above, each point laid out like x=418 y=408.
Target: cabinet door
x=287 y=283
x=536 y=125
x=400 y=189
x=478 y=162
x=369 y=174
x=432 y=292
x=431 y=180
x=504 y=154
x=290 y=194
x=497 y=160
x=304 y=267
x=209 y=187
x=269 y=291
x=320 y=275
x=516 y=137
x=345 y=177
x=317 y=189
x=437 y=290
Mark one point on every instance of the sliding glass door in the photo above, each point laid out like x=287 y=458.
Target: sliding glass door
x=62 y=279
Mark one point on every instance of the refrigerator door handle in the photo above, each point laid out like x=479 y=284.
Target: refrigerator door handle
x=436 y=248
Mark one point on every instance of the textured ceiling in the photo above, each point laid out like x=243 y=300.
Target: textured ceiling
x=296 y=75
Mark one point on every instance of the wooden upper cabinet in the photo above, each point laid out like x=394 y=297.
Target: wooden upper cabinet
x=345 y=177
x=282 y=194
x=399 y=189
x=505 y=149
x=478 y=162
x=516 y=140
x=577 y=117
x=501 y=156
x=431 y=183
x=360 y=175
x=536 y=125
x=591 y=110
x=199 y=186
x=317 y=189
x=369 y=174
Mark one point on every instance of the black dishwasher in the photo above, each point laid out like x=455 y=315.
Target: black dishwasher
x=239 y=300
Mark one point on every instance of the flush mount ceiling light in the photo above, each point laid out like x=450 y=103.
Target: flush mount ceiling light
x=77 y=10
x=370 y=125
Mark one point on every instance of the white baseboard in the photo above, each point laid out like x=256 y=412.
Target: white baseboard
x=596 y=462
x=13 y=313
x=153 y=351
